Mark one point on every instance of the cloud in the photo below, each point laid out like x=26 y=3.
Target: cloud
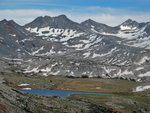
x=24 y=16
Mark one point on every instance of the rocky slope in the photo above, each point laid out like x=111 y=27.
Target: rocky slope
x=59 y=46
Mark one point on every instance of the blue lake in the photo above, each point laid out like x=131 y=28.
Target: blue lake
x=60 y=93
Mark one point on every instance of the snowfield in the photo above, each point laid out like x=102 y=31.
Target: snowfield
x=141 y=88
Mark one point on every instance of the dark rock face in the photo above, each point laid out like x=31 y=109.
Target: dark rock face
x=61 y=22
x=98 y=26
x=89 y=48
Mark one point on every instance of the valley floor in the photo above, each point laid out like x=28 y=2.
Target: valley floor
x=123 y=99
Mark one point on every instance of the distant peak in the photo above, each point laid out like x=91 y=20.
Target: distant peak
x=40 y=17
x=12 y=21
x=89 y=21
x=46 y=17
x=4 y=20
x=62 y=16
x=130 y=21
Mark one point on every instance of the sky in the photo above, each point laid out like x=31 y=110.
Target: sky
x=110 y=12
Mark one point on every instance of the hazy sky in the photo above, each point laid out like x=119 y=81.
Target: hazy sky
x=111 y=12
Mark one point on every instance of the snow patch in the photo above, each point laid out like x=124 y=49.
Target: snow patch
x=147 y=74
x=86 y=54
x=49 y=53
x=66 y=34
x=139 y=68
x=141 y=88
x=141 y=43
x=132 y=33
x=28 y=39
x=18 y=50
x=25 y=84
x=14 y=35
x=107 y=70
x=35 y=52
x=143 y=60
x=126 y=72
x=102 y=55
x=26 y=88
x=35 y=70
x=125 y=27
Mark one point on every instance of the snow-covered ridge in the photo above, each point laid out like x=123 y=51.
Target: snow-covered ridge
x=134 y=36
x=128 y=32
x=65 y=34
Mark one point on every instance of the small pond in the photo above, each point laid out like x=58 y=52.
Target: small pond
x=60 y=93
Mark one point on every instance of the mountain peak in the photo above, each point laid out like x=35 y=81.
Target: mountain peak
x=61 y=22
x=130 y=22
x=46 y=18
x=12 y=22
x=4 y=21
x=62 y=16
x=89 y=22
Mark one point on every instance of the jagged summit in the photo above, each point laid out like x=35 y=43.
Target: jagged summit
x=62 y=16
x=61 y=22
x=12 y=22
x=4 y=20
x=90 y=22
x=130 y=23
x=9 y=23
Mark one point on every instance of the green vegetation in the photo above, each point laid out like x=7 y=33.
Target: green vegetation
x=38 y=82
x=98 y=85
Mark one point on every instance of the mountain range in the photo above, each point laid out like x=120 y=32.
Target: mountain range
x=59 y=46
